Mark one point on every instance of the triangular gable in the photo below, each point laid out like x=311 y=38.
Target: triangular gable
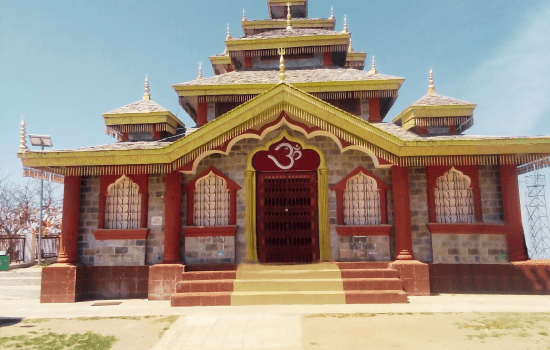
x=351 y=130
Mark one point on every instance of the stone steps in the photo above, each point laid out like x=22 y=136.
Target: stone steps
x=322 y=283
x=21 y=283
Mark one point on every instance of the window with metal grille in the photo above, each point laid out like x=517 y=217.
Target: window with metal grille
x=123 y=207
x=362 y=201
x=211 y=199
x=454 y=199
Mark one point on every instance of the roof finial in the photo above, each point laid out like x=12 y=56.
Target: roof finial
x=244 y=15
x=282 y=68
x=288 y=17
x=345 y=24
x=200 y=71
x=146 y=95
x=228 y=37
x=373 y=67
x=431 y=87
x=331 y=12
x=23 y=142
x=350 y=49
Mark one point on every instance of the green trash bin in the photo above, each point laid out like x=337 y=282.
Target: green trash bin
x=4 y=262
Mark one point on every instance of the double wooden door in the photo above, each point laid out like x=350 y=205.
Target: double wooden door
x=287 y=217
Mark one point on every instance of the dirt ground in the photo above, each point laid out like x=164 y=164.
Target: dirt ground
x=130 y=332
x=501 y=331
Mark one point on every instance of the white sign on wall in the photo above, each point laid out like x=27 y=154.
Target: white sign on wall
x=156 y=221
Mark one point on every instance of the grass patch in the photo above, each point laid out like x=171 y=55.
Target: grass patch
x=514 y=324
x=54 y=341
x=170 y=319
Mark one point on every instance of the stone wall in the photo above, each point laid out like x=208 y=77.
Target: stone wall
x=470 y=249
x=155 y=240
x=421 y=240
x=491 y=197
x=130 y=252
x=210 y=250
x=364 y=248
x=339 y=165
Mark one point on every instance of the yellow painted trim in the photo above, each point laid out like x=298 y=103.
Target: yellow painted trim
x=356 y=56
x=220 y=59
x=297 y=41
x=282 y=23
x=251 y=89
x=278 y=98
x=284 y=2
x=442 y=111
x=322 y=183
x=141 y=119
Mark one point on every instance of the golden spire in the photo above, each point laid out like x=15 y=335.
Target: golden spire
x=282 y=68
x=244 y=15
x=23 y=142
x=373 y=67
x=288 y=17
x=345 y=24
x=350 y=49
x=146 y=95
x=200 y=71
x=431 y=87
x=228 y=37
x=331 y=12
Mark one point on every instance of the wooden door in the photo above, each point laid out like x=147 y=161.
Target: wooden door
x=287 y=219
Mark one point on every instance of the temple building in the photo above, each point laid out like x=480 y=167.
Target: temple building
x=294 y=186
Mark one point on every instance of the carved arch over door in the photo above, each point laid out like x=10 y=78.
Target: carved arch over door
x=322 y=194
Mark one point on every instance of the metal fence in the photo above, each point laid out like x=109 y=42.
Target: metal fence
x=49 y=246
x=14 y=246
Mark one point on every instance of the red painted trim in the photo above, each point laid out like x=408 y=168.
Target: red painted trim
x=232 y=186
x=104 y=235
x=172 y=218
x=202 y=114
x=374 y=110
x=375 y=230
x=402 y=213
x=327 y=59
x=142 y=180
x=340 y=187
x=307 y=131
x=210 y=231
x=512 y=212
x=248 y=62
x=485 y=229
x=70 y=221
x=435 y=172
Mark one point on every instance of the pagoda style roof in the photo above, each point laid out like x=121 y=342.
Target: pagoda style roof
x=142 y=106
x=440 y=100
x=253 y=118
x=285 y=33
x=298 y=77
x=293 y=38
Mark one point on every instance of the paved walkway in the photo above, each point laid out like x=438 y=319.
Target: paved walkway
x=259 y=327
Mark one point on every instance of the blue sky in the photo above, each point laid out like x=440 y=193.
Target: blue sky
x=65 y=62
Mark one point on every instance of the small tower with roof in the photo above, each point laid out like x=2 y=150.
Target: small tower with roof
x=435 y=114
x=143 y=120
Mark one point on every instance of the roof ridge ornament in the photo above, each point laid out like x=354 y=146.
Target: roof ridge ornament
x=23 y=142
x=288 y=17
x=350 y=48
x=146 y=95
x=345 y=30
x=200 y=71
x=282 y=68
x=331 y=12
x=373 y=67
x=228 y=37
x=431 y=87
x=244 y=15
